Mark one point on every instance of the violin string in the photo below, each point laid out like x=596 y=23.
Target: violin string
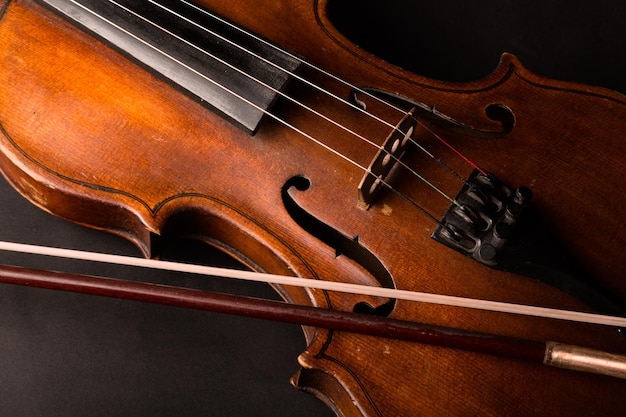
x=327 y=74
x=456 y=151
x=316 y=87
x=234 y=94
x=330 y=76
x=359 y=289
x=310 y=84
x=282 y=94
x=269 y=62
x=269 y=114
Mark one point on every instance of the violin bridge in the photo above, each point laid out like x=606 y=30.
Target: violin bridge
x=387 y=157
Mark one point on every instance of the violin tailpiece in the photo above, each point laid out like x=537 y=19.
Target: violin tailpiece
x=496 y=225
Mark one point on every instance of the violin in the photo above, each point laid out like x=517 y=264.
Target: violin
x=301 y=155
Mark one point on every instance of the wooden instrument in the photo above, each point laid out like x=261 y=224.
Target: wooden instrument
x=320 y=161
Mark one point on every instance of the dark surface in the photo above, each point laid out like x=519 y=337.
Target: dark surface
x=457 y=40
x=73 y=355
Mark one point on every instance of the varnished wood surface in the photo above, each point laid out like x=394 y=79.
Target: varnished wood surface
x=543 y=121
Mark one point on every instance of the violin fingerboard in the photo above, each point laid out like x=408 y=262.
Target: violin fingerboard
x=221 y=66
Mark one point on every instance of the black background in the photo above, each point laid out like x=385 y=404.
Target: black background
x=73 y=355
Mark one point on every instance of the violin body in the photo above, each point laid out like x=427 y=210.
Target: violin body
x=93 y=138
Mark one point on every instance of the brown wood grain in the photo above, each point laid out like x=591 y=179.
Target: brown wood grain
x=95 y=139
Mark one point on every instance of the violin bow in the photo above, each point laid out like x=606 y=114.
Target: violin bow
x=546 y=352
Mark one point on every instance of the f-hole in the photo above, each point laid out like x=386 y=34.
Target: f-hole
x=342 y=244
